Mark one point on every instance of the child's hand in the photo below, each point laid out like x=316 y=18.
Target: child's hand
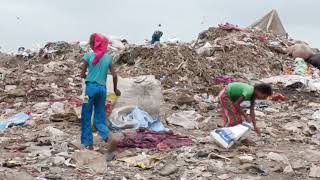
x=117 y=92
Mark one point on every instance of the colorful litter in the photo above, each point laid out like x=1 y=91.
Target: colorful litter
x=143 y=138
x=135 y=118
x=142 y=161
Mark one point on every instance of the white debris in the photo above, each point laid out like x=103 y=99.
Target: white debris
x=314 y=171
x=275 y=157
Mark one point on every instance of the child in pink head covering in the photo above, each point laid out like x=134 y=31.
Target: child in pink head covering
x=100 y=46
x=98 y=63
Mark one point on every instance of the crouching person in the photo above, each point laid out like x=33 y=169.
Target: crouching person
x=98 y=63
x=234 y=94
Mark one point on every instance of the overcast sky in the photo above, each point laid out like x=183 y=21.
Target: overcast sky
x=28 y=22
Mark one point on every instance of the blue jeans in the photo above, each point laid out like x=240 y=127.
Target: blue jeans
x=97 y=99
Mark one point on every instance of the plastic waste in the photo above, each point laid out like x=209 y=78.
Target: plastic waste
x=296 y=85
x=110 y=102
x=174 y=40
x=300 y=67
x=116 y=44
x=17 y=120
x=135 y=118
x=230 y=27
x=226 y=137
x=143 y=160
x=316 y=115
x=57 y=107
x=206 y=50
x=277 y=97
x=186 y=119
x=41 y=106
x=112 y=98
x=54 y=132
x=310 y=84
x=3 y=73
x=224 y=80
x=142 y=91
x=258 y=104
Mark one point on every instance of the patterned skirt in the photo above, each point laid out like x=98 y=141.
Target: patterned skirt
x=231 y=116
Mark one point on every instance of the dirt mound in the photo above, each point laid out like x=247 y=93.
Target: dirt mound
x=242 y=54
x=246 y=52
x=174 y=64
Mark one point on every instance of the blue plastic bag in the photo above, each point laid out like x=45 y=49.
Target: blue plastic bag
x=143 y=120
x=18 y=120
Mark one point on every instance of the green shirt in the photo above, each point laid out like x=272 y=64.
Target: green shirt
x=97 y=73
x=237 y=89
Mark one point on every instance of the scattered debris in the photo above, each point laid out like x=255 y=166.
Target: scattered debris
x=224 y=176
x=246 y=159
x=92 y=160
x=168 y=169
x=314 y=171
x=176 y=86
x=275 y=157
x=143 y=161
x=186 y=119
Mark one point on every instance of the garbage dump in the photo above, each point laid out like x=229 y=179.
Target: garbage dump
x=175 y=105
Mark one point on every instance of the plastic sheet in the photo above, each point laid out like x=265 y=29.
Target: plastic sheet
x=18 y=119
x=226 y=137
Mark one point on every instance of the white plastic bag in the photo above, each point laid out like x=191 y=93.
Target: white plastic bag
x=205 y=50
x=142 y=91
x=226 y=137
x=310 y=84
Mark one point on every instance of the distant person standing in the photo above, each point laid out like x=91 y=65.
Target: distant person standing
x=157 y=35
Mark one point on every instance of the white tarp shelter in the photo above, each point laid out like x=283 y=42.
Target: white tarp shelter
x=270 y=23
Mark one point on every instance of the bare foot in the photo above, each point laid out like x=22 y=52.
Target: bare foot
x=112 y=143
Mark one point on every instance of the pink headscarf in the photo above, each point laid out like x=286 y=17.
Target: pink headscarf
x=100 y=47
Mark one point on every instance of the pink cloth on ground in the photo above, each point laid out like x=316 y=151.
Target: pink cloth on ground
x=143 y=138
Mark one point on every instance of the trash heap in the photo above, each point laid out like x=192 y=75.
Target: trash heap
x=246 y=52
x=175 y=65
x=242 y=54
x=35 y=84
x=40 y=103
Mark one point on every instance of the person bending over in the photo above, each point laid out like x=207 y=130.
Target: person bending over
x=234 y=94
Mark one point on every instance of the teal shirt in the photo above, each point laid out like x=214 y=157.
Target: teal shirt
x=97 y=73
x=237 y=89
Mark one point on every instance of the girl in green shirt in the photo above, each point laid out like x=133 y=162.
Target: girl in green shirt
x=234 y=94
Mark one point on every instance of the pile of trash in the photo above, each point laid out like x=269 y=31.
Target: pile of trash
x=167 y=121
x=244 y=52
x=175 y=65
x=241 y=54
x=60 y=49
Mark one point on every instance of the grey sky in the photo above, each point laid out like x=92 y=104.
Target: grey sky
x=71 y=20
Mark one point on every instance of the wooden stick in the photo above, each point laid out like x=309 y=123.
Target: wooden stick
x=272 y=150
x=290 y=165
x=217 y=155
